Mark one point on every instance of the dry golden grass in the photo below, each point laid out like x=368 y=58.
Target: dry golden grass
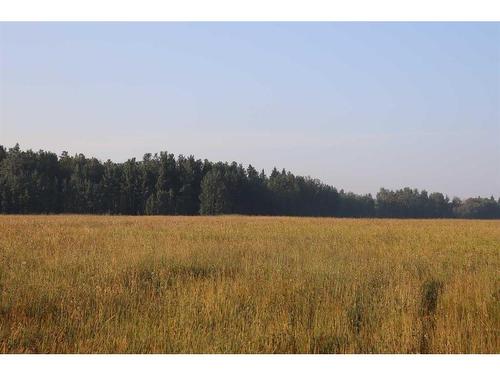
x=88 y=284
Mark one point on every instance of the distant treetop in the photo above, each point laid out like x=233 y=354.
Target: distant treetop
x=160 y=184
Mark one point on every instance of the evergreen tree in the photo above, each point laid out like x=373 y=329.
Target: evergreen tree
x=41 y=182
x=214 y=197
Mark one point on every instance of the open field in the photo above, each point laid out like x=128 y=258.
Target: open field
x=234 y=284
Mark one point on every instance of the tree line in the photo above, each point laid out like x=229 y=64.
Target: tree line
x=160 y=184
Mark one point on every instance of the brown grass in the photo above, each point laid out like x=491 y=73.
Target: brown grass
x=88 y=284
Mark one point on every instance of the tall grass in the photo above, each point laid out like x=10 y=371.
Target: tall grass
x=87 y=284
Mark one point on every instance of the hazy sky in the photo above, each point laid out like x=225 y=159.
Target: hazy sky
x=358 y=105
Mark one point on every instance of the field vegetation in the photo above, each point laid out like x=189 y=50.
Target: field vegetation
x=240 y=284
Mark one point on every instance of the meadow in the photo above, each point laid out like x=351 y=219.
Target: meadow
x=239 y=284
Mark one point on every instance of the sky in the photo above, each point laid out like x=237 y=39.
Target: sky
x=358 y=105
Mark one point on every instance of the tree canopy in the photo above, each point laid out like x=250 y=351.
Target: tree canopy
x=161 y=184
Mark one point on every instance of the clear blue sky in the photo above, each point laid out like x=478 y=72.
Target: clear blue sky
x=358 y=105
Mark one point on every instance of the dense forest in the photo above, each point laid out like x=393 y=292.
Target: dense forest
x=160 y=184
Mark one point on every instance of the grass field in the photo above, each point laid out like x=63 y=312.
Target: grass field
x=233 y=284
